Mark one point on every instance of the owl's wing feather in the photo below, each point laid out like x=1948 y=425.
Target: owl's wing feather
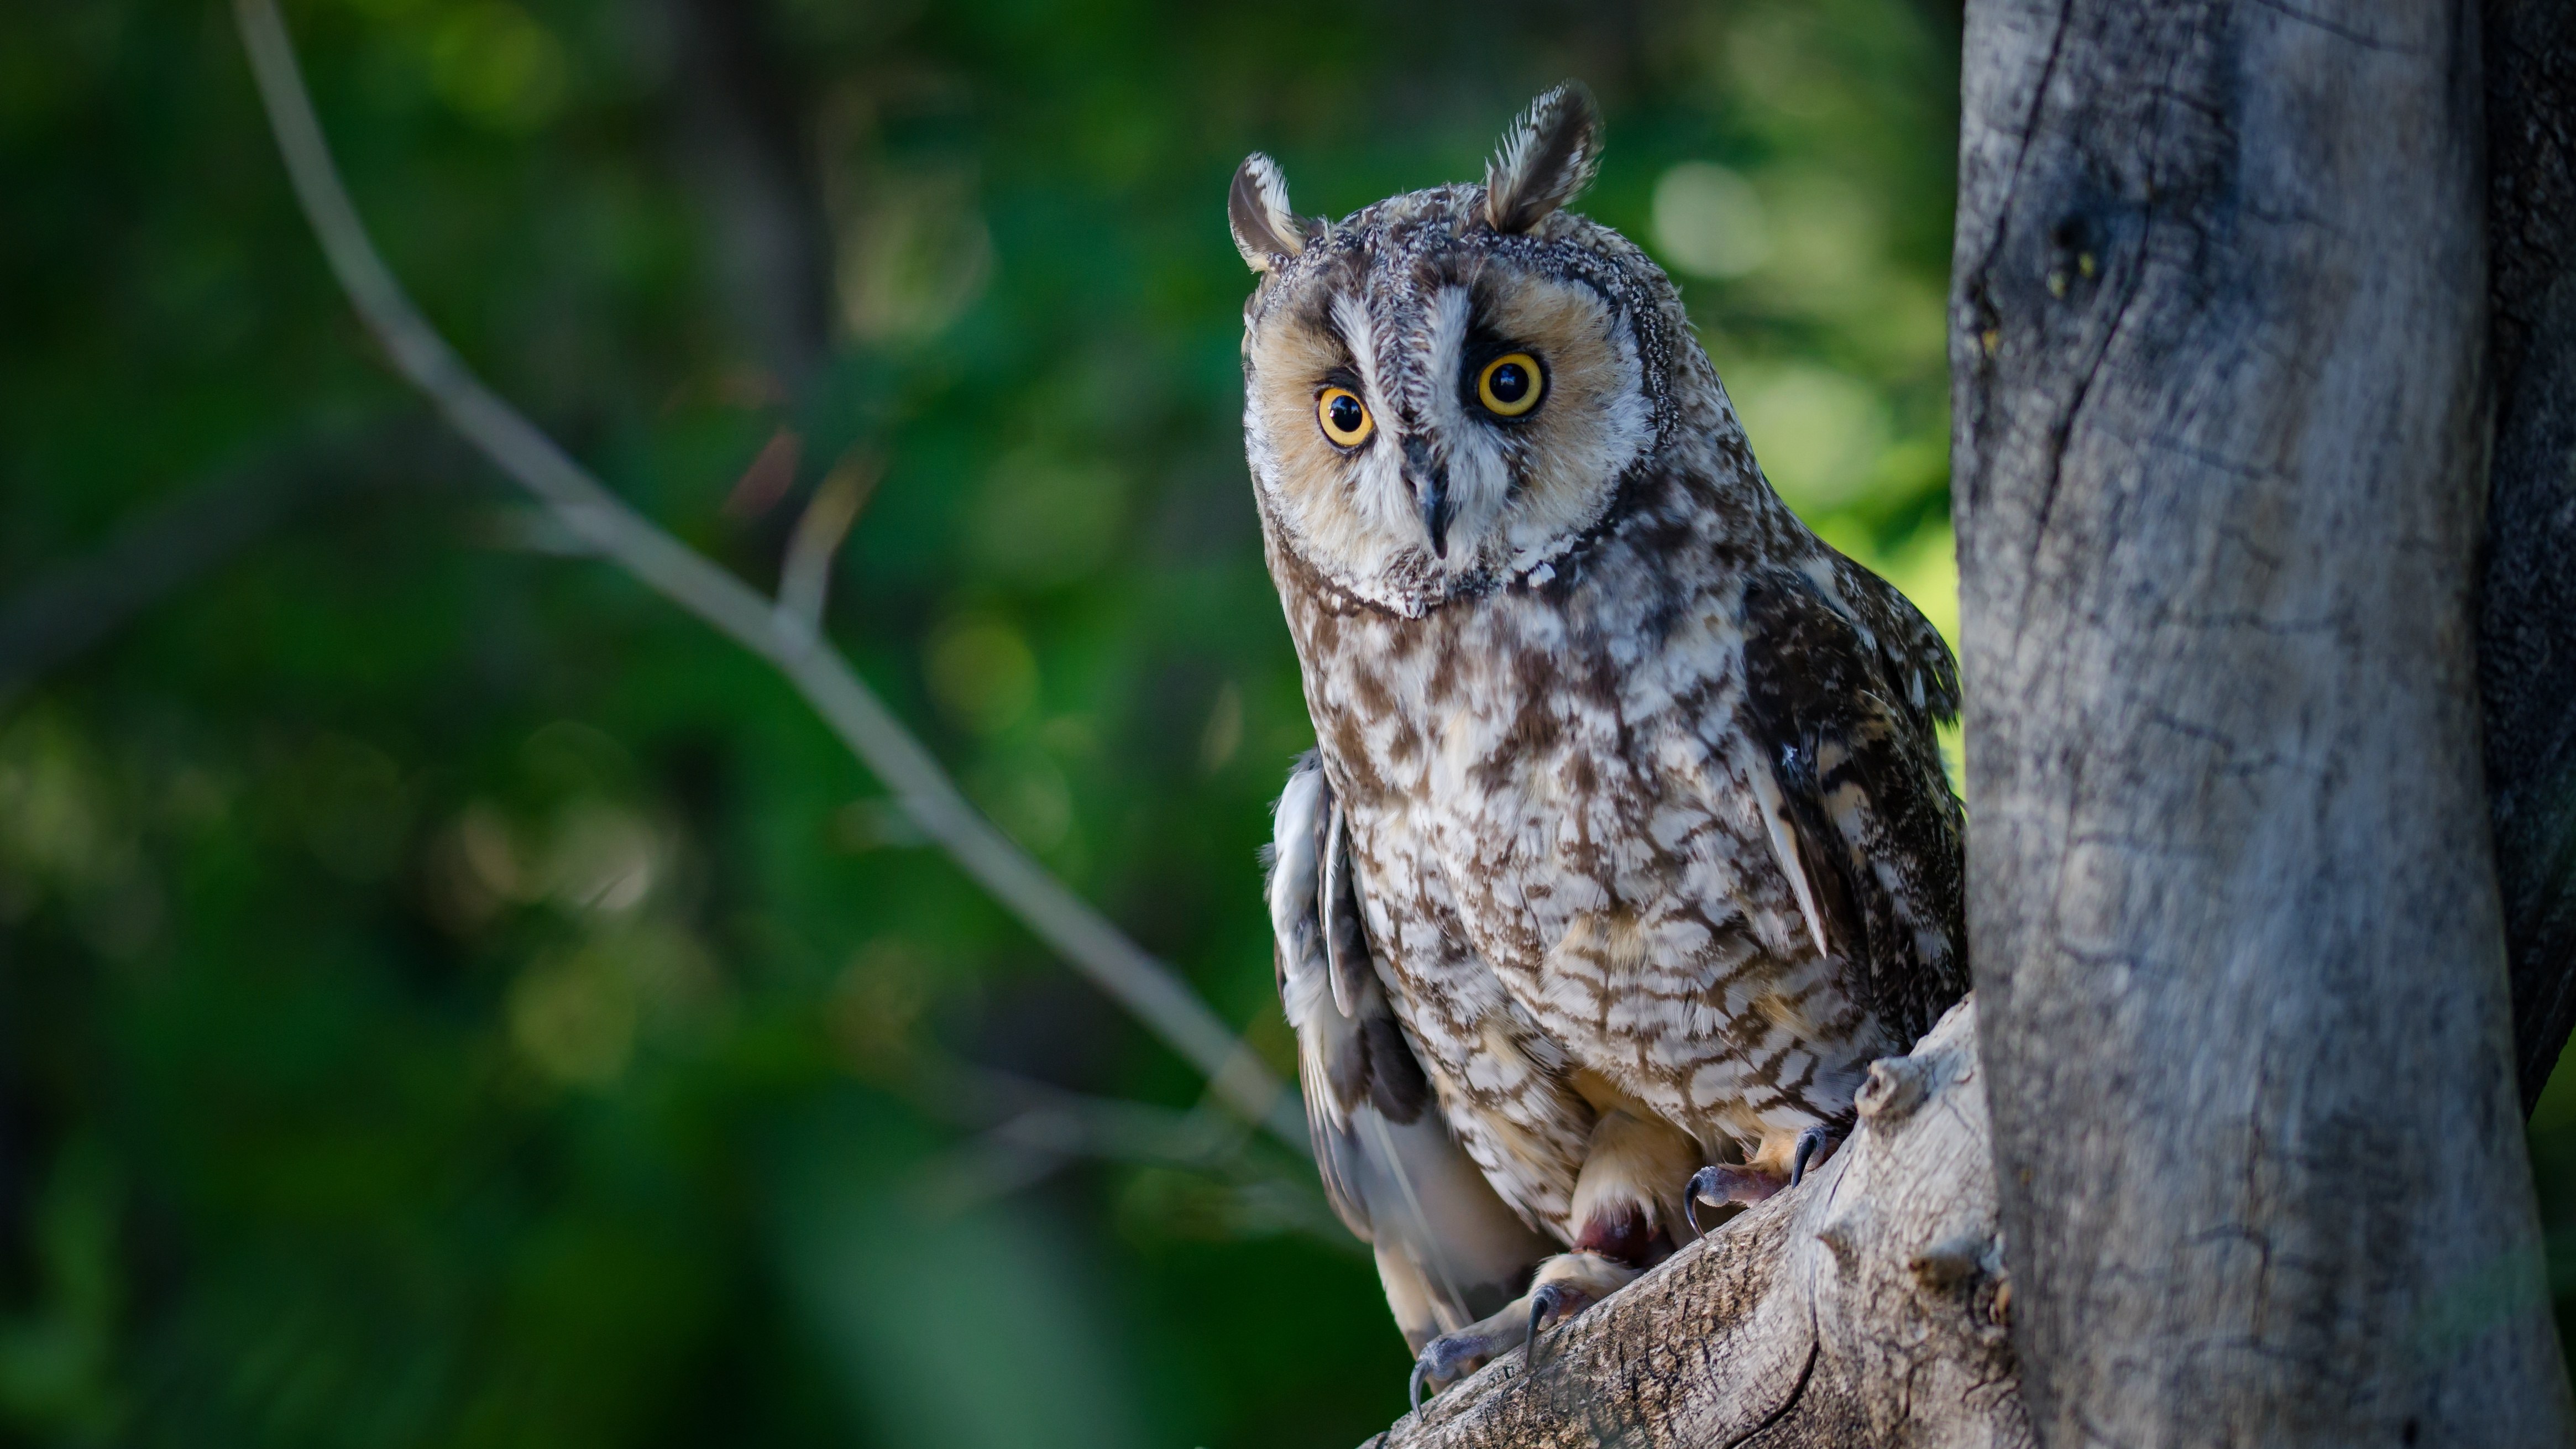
x=1843 y=710
x=1346 y=957
x=1448 y=1249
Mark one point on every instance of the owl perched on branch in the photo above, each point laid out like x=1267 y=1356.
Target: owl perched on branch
x=1625 y=846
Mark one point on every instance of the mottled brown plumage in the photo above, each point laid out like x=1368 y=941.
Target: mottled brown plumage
x=1647 y=834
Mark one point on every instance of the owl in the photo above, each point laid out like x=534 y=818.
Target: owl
x=1625 y=845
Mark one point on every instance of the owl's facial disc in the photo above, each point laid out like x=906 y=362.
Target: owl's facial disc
x=1436 y=427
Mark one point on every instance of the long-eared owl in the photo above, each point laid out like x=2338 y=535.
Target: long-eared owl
x=1625 y=846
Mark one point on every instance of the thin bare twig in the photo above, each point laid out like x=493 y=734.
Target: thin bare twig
x=807 y=577
x=1146 y=987
x=1027 y=1131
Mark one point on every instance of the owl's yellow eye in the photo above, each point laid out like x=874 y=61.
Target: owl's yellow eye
x=1345 y=418
x=1511 y=384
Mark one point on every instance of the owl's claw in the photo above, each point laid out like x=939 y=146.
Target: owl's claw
x=1727 y=1182
x=1566 y=1285
x=1812 y=1145
x=1550 y=1304
x=1452 y=1356
x=1747 y=1184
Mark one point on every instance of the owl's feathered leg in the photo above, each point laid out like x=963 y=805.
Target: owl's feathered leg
x=1626 y=1218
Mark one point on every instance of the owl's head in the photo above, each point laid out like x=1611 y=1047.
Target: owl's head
x=1445 y=392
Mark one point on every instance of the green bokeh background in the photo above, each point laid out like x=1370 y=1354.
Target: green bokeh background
x=449 y=997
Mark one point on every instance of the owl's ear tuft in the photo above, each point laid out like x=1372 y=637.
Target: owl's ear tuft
x=1256 y=208
x=1546 y=157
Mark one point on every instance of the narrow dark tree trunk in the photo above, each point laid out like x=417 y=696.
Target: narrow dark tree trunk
x=2220 y=460
x=744 y=148
x=2527 y=626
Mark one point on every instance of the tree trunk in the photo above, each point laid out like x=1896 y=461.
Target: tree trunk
x=2221 y=420
x=2527 y=626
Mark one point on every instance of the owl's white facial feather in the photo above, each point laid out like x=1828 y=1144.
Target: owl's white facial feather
x=1520 y=491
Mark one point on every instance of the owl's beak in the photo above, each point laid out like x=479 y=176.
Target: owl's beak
x=1430 y=480
x=1434 y=494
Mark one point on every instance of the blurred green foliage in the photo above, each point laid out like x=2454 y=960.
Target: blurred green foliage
x=446 y=996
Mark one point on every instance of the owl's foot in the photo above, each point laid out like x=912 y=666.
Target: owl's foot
x=1552 y=1304
x=1747 y=1183
x=1719 y=1184
x=1565 y=1285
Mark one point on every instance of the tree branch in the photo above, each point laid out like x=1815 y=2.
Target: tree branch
x=1146 y=987
x=1865 y=1306
x=1026 y=1131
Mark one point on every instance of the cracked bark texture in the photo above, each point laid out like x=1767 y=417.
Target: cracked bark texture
x=2527 y=624
x=2221 y=416
x=1864 y=1306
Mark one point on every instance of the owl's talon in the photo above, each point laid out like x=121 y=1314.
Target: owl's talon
x=1812 y=1146
x=1551 y=1304
x=1728 y=1182
x=1566 y=1285
x=1541 y=1301
x=1452 y=1356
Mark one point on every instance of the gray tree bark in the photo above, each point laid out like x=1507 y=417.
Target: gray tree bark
x=2221 y=425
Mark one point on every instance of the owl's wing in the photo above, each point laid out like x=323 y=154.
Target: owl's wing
x=1448 y=1250
x=1844 y=709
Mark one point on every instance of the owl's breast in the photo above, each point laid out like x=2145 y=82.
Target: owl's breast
x=1550 y=762
x=1571 y=800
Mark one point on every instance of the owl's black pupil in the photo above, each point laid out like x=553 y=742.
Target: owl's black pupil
x=1347 y=416
x=1510 y=382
